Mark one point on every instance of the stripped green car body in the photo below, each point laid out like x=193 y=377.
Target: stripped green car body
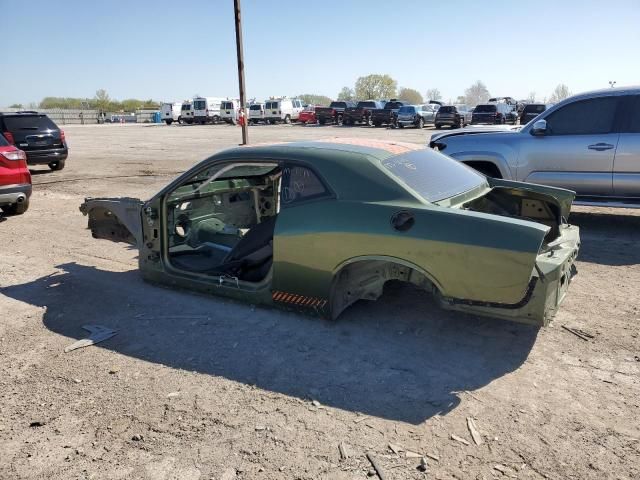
x=347 y=216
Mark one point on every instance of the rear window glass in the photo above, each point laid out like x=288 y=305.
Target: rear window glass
x=186 y=107
x=270 y=105
x=367 y=104
x=255 y=107
x=29 y=122
x=485 y=109
x=199 y=104
x=534 y=108
x=3 y=141
x=338 y=105
x=433 y=175
x=447 y=110
x=393 y=105
x=407 y=109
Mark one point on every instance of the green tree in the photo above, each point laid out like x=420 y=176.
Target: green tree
x=346 y=94
x=559 y=93
x=476 y=94
x=313 y=99
x=531 y=98
x=410 y=95
x=375 y=86
x=461 y=99
x=102 y=101
x=433 y=94
x=16 y=105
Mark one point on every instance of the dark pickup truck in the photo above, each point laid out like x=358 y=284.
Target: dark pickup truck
x=388 y=114
x=332 y=113
x=361 y=113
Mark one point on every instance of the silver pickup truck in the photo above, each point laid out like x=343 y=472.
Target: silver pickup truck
x=589 y=143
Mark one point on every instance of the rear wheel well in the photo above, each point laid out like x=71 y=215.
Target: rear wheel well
x=365 y=280
x=487 y=168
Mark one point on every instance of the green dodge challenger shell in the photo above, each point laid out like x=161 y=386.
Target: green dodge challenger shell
x=317 y=226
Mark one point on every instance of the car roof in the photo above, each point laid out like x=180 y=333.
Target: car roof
x=349 y=165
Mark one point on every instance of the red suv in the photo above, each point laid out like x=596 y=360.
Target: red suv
x=15 y=179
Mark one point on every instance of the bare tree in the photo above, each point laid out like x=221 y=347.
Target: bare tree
x=102 y=100
x=476 y=94
x=433 y=94
x=531 y=98
x=559 y=93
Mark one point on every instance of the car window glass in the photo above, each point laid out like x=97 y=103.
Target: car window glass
x=593 y=116
x=299 y=184
x=28 y=122
x=634 y=115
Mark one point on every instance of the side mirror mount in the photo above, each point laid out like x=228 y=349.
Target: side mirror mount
x=539 y=128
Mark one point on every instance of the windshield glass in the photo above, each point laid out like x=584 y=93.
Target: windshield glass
x=433 y=175
x=485 y=109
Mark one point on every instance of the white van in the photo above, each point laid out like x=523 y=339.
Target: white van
x=256 y=112
x=230 y=111
x=186 y=112
x=206 y=109
x=283 y=109
x=170 y=112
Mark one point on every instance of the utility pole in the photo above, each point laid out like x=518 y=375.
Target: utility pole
x=243 y=108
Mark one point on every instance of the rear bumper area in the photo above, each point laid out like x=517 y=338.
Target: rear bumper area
x=10 y=194
x=38 y=157
x=548 y=286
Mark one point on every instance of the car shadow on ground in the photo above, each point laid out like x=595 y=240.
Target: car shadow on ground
x=608 y=239
x=400 y=358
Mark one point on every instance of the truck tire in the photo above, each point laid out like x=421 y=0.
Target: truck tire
x=321 y=121
x=180 y=120
x=339 y=120
x=377 y=124
x=421 y=123
x=438 y=126
x=486 y=168
x=287 y=119
x=168 y=122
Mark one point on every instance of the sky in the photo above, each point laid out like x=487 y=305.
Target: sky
x=171 y=50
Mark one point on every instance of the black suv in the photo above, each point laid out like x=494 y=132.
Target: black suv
x=36 y=135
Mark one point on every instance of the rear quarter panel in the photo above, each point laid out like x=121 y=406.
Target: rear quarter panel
x=465 y=254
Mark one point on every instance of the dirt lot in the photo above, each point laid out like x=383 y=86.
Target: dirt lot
x=196 y=387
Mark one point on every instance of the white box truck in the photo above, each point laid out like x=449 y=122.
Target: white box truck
x=206 y=109
x=230 y=111
x=170 y=112
x=186 y=112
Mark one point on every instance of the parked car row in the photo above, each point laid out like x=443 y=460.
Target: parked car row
x=26 y=138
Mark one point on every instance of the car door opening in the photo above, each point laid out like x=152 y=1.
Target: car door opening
x=221 y=221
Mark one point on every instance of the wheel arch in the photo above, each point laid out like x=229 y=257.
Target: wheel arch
x=364 y=277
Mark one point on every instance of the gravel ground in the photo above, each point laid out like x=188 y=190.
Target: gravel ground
x=196 y=387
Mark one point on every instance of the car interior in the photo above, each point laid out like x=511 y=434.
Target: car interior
x=221 y=221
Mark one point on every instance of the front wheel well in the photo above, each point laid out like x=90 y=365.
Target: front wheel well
x=487 y=168
x=365 y=280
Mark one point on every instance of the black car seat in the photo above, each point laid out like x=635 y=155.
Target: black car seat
x=252 y=255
